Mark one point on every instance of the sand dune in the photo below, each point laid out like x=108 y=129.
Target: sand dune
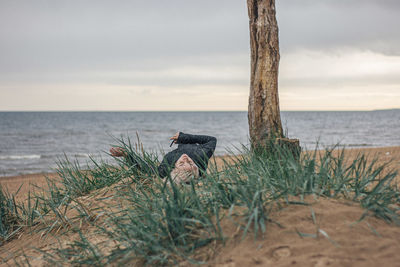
x=334 y=239
x=339 y=242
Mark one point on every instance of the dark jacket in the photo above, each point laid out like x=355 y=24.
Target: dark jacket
x=199 y=148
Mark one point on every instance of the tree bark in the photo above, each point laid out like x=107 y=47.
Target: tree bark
x=264 y=114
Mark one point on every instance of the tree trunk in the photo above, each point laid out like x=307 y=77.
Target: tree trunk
x=264 y=114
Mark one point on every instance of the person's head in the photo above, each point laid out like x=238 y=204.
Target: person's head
x=184 y=170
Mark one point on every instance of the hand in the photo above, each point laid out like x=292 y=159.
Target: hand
x=175 y=137
x=117 y=152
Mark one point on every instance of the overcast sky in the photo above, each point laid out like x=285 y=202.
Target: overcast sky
x=194 y=54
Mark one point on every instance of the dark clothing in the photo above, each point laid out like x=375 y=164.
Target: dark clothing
x=199 y=148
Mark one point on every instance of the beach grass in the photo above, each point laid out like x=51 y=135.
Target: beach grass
x=160 y=222
x=9 y=217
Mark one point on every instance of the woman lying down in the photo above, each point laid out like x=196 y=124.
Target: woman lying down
x=188 y=161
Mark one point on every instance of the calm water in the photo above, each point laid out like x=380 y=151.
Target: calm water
x=30 y=142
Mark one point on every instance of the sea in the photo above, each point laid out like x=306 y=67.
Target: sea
x=33 y=142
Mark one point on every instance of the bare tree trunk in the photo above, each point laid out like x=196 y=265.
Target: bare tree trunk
x=264 y=114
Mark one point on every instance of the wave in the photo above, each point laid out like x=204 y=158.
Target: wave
x=81 y=155
x=358 y=145
x=20 y=157
x=69 y=155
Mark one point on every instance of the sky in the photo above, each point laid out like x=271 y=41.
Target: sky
x=194 y=55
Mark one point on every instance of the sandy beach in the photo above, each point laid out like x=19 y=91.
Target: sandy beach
x=342 y=241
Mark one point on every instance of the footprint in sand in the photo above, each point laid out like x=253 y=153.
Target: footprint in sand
x=323 y=262
x=281 y=252
x=228 y=264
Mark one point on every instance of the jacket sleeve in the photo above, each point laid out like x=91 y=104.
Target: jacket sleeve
x=166 y=165
x=208 y=143
x=163 y=168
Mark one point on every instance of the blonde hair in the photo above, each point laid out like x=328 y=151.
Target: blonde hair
x=184 y=176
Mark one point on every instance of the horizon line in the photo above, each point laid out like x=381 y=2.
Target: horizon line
x=331 y=110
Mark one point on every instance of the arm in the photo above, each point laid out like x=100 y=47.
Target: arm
x=208 y=143
x=167 y=164
x=194 y=139
x=163 y=168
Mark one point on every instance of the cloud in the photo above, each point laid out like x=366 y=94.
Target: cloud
x=47 y=36
x=177 y=48
x=87 y=35
x=310 y=69
x=335 y=25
